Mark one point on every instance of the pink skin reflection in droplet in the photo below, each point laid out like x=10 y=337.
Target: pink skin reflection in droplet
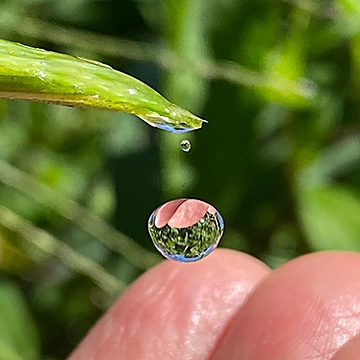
x=165 y=212
x=182 y=213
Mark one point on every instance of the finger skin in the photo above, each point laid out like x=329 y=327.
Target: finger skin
x=175 y=311
x=350 y=351
x=306 y=310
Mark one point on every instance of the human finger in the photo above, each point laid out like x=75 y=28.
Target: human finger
x=350 y=351
x=306 y=309
x=175 y=311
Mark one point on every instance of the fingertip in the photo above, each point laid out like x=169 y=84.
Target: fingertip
x=306 y=309
x=349 y=351
x=175 y=310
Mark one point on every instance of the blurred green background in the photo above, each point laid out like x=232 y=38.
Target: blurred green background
x=279 y=82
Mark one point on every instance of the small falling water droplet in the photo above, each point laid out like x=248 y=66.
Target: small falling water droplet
x=185 y=230
x=185 y=145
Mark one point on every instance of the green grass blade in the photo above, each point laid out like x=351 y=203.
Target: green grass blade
x=39 y=75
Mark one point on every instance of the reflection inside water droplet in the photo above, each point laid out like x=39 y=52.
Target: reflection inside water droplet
x=185 y=145
x=185 y=230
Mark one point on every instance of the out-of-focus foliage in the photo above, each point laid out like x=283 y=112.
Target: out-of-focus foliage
x=18 y=336
x=279 y=82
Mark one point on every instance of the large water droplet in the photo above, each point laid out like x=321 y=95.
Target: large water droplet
x=185 y=145
x=185 y=230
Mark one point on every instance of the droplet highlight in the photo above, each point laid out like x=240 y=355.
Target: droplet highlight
x=185 y=230
x=185 y=145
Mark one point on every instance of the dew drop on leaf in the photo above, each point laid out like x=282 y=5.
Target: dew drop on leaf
x=185 y=145
x=185 y=230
